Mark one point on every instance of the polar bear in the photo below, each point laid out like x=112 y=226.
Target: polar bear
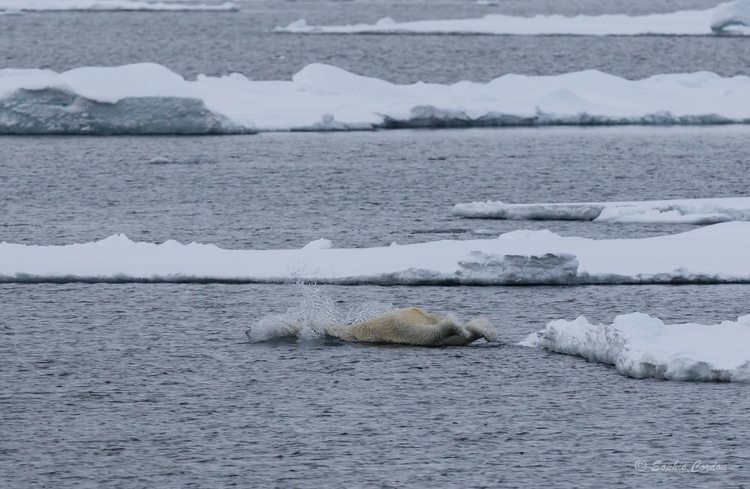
x=413 y=326
x=409 y=326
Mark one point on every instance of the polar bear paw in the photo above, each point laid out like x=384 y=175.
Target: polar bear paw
x=482 y=328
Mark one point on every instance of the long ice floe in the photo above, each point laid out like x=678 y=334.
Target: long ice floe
x=730 y=16
x=641 y=346
x=678 y=211
x=14 y=6
x=148 y=98
x=713 y=254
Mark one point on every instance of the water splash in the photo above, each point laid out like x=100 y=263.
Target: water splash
x=308 y=320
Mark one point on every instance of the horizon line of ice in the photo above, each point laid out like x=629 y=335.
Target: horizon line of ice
x=675 y=211
x=642 y=346
x=713 y=254
x=727 y=17
x=148 y=98
x=731 y=17
x=18 y=6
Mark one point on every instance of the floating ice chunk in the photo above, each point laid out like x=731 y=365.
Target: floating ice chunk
x=385 y=21
x=319 y=244
x=677 y=211
x=161 y=160
x=686 y=22
x=713 y=254
x=298 y=24
x=12 y=6
x=640 y=346
x=731 y=14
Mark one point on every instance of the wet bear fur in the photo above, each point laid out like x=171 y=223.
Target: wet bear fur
x=413 y=326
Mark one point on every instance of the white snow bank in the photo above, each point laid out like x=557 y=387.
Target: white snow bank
x=679 y=211
x=689 y=22
x=13 y=6
x=148 y=98
x=713 y=254
x=641 y=346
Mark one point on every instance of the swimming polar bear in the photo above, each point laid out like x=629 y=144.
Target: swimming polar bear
x=413 y=326
x=409 y=326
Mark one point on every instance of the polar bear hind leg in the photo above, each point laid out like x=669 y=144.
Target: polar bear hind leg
x=481 y=328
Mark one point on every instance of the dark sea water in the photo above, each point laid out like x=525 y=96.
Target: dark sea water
x=156 y=386
x=138 y=385
x=363 y=189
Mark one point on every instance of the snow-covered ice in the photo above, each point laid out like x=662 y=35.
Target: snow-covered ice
x=13 y=6
x=730 y=15
x=677 y=211
x=641 y=346
x=712 y=254
x=144 y=98
x=148 y=98
x=726 y=17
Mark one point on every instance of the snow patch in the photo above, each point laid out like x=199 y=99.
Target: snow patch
x=641 y=346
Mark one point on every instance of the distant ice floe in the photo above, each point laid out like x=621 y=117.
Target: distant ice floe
x=727 y=17
x=148 y=98
x=679 y=211
x=17 y=6
x=641 y=346
x=713 y=254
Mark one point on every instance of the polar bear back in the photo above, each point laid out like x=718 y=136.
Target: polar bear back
x=407 y=326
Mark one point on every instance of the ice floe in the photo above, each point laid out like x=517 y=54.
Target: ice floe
x=712 y=254
x=15 y=6
x=148 y=98
x=730 y=16
x=677 y=211
x=641 y=346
